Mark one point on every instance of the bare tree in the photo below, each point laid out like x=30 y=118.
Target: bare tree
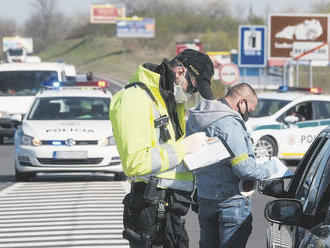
x=46 y=24
x=322 y=6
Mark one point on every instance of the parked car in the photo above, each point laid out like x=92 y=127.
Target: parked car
x=286 y=122
x=67 y=129
x=300 y=217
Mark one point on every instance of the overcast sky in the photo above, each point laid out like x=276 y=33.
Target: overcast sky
x=20 y=9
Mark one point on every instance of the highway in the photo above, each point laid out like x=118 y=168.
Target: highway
x=82 y=210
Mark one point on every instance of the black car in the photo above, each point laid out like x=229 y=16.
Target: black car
x=300 y=216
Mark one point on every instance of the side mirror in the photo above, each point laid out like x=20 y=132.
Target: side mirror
x=284 y=211
x=290 y=119
x=272 y=187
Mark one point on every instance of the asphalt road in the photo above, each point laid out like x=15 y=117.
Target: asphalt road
x=256 y=240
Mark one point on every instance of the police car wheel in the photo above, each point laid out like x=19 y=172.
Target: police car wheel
x=24 y=176
x=265 y=147
x=120 y=176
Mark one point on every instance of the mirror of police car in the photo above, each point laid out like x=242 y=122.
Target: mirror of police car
x=284 y=211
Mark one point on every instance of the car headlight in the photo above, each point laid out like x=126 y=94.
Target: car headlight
x=30 y=141
x=109 y=141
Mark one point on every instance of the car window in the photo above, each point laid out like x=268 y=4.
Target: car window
x=70 y=108
x=268 y=107
x=322 y=109
x=303 y=111
x=308 y=188
x=294 y=182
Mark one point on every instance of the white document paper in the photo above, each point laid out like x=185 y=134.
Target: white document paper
x=211 y=153
x=282 y=170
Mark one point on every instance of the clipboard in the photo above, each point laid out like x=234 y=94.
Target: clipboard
x=213 y=152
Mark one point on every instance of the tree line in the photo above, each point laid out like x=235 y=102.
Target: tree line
x=209 y=20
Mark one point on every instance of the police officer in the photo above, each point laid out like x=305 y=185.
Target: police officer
x=224 y=206
x=148 y=121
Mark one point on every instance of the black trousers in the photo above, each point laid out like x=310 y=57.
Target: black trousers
x=143 y=218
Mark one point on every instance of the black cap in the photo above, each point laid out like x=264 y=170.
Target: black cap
x=201 y=66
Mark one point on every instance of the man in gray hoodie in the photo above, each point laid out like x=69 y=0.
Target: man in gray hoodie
x=224 y=213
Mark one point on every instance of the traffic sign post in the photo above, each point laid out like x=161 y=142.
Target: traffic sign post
x=252 y=46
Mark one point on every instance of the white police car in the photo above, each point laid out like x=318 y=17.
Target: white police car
x=67 y=129
x=285 y=123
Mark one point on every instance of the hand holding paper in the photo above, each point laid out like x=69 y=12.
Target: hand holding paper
x=212 y=152
x=282 y=171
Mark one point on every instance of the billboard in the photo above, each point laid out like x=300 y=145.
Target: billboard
x=17 y=42
x=106 y=13
x=298 y=36
x=135 y=27
x=218 y=59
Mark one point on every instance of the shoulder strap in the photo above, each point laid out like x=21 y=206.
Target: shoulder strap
x=162 y=121
x=144 y=87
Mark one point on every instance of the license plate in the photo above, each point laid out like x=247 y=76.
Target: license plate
x=70 y=155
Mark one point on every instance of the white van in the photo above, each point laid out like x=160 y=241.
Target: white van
x=19 y=83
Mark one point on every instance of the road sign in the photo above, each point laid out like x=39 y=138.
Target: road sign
x=298 y=36
x=252 y=46
x=135 y=27
x=229 y=73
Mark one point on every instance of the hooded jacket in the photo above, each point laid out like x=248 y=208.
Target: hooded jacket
x=220 y=181
x=139 y=142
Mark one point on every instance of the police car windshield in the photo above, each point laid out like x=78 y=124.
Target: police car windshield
x=268 y=107
x=23 y=83
x=70 y=108
x=15 y=52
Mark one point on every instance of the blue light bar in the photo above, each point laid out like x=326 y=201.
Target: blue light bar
x=283 y=88
x=56 y=143
x=51 y=84
x=56 y=84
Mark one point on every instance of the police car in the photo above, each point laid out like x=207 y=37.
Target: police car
x=67 y=129
x=286 y=122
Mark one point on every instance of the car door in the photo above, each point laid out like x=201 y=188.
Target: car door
x=283 y=236
x=311 y=189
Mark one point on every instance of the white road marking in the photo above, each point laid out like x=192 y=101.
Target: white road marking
x=62 y=214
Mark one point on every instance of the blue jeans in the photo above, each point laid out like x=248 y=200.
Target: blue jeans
x=224 y=224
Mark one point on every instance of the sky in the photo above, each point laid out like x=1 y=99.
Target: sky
x=20 y=10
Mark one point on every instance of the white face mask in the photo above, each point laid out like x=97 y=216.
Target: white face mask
x=179 y=94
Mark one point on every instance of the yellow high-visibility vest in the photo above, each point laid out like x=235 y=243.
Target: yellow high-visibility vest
x=141 y=149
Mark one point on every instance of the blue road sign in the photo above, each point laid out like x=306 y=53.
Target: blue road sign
x=252 y=46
